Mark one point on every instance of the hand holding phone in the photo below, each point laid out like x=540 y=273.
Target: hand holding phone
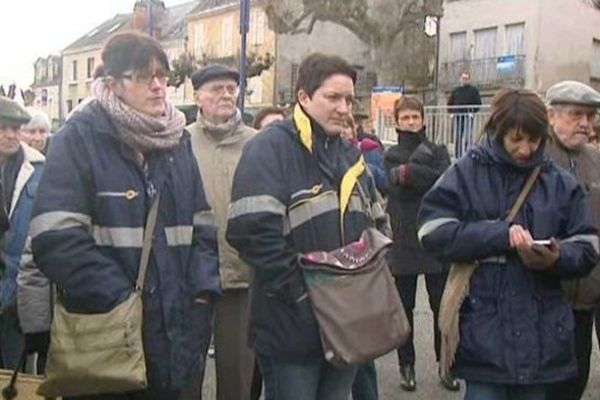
x=540 y=256
x=542 y=242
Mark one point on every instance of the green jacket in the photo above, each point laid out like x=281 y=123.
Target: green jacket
x=217 y=160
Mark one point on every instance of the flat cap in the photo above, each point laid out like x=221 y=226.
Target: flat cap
x=572 y=92
x=212 y=72
x=13 y=112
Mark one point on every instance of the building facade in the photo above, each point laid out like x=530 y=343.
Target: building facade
x=214 y=37
x=326 y=37
x=81 y=58
x=46 y=86
x=520 y=43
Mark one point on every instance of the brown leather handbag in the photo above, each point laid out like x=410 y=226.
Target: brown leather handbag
x=355 y=301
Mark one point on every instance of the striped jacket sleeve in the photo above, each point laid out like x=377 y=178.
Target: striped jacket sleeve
x=443 y=230
x=203 y=268
x=63 y=247
x=256 y=227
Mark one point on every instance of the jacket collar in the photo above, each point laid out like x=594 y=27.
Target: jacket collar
x=236 y=136
x=351 y=177
x=304 y=127
x=31 y=157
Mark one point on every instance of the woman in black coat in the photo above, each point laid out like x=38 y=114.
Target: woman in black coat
x=412 y=167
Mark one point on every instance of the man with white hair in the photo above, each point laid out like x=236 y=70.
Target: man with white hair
x=20 y=172
x=35 y=132
x=572 y=108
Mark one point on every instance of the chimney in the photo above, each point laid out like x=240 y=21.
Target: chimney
x=139 y=19
x=159 y=12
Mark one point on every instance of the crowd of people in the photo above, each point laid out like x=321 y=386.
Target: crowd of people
x=209 y=223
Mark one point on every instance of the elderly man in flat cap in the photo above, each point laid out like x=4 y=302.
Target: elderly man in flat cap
x=20 y=171
x=218 y=137
x=572 y=109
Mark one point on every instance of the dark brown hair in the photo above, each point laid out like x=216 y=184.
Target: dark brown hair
x=131 y=51
x=264 y=112
x=408 y=103
x=317 y=67
x=519 y=109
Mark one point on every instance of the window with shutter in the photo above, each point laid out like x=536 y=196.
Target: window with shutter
x=485 y=43
x=515 y=39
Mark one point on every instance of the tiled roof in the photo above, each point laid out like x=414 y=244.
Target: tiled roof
x=99 y=34
x=174 y=24
x=206 y=5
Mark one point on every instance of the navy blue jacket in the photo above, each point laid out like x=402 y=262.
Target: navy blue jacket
x=87 y=233
x=515 y=326
x=295 y=191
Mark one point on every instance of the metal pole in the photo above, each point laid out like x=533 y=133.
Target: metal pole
x=244 y=27
x=150 y=19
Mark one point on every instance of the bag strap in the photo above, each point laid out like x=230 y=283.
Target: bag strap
x=148 y=235
x=523 y=195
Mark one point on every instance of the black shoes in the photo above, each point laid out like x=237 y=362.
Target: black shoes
x=407 y=376
x=450 y=382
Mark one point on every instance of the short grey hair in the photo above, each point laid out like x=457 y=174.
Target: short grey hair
x=39 y=119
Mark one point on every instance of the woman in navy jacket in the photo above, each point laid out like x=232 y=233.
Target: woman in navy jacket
x=107 y=166
x=516 y=330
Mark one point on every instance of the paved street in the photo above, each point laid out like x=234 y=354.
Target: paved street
x=426 y=368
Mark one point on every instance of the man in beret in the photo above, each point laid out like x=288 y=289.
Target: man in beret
x=572 y=108
x=218 y=136
x=20 y=171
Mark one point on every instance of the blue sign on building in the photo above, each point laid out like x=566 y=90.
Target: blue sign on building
x=388 y=89
x=506 y=63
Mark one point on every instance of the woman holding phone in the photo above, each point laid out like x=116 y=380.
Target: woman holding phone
x=515 y=328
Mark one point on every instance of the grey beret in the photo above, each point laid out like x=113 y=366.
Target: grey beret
x=212 y=72
x=13 y=112
x=572 y=92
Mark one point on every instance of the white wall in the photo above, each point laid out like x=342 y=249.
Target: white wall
x=558 y=34
x=471 y=15
x=568 y=28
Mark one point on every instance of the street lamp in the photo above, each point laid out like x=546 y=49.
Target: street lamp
x=244 y=27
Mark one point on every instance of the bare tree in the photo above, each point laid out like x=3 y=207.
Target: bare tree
x=186 y=64
x=393 y=29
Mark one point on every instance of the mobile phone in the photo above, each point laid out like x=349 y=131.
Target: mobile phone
x=544 y=242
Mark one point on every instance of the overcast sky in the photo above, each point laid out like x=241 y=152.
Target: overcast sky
x=36 y=28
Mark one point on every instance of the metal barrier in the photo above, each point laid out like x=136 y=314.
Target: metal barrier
x=455 y=126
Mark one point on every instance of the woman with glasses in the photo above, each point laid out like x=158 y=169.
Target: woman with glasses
x=123 y=152
x=514 y=327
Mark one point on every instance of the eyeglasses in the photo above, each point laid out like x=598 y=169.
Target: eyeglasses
x=219 y=90
x=146 y=78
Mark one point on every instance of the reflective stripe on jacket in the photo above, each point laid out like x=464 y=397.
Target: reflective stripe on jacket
x=515 y=325
x=286 y=202
x=87 y=235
